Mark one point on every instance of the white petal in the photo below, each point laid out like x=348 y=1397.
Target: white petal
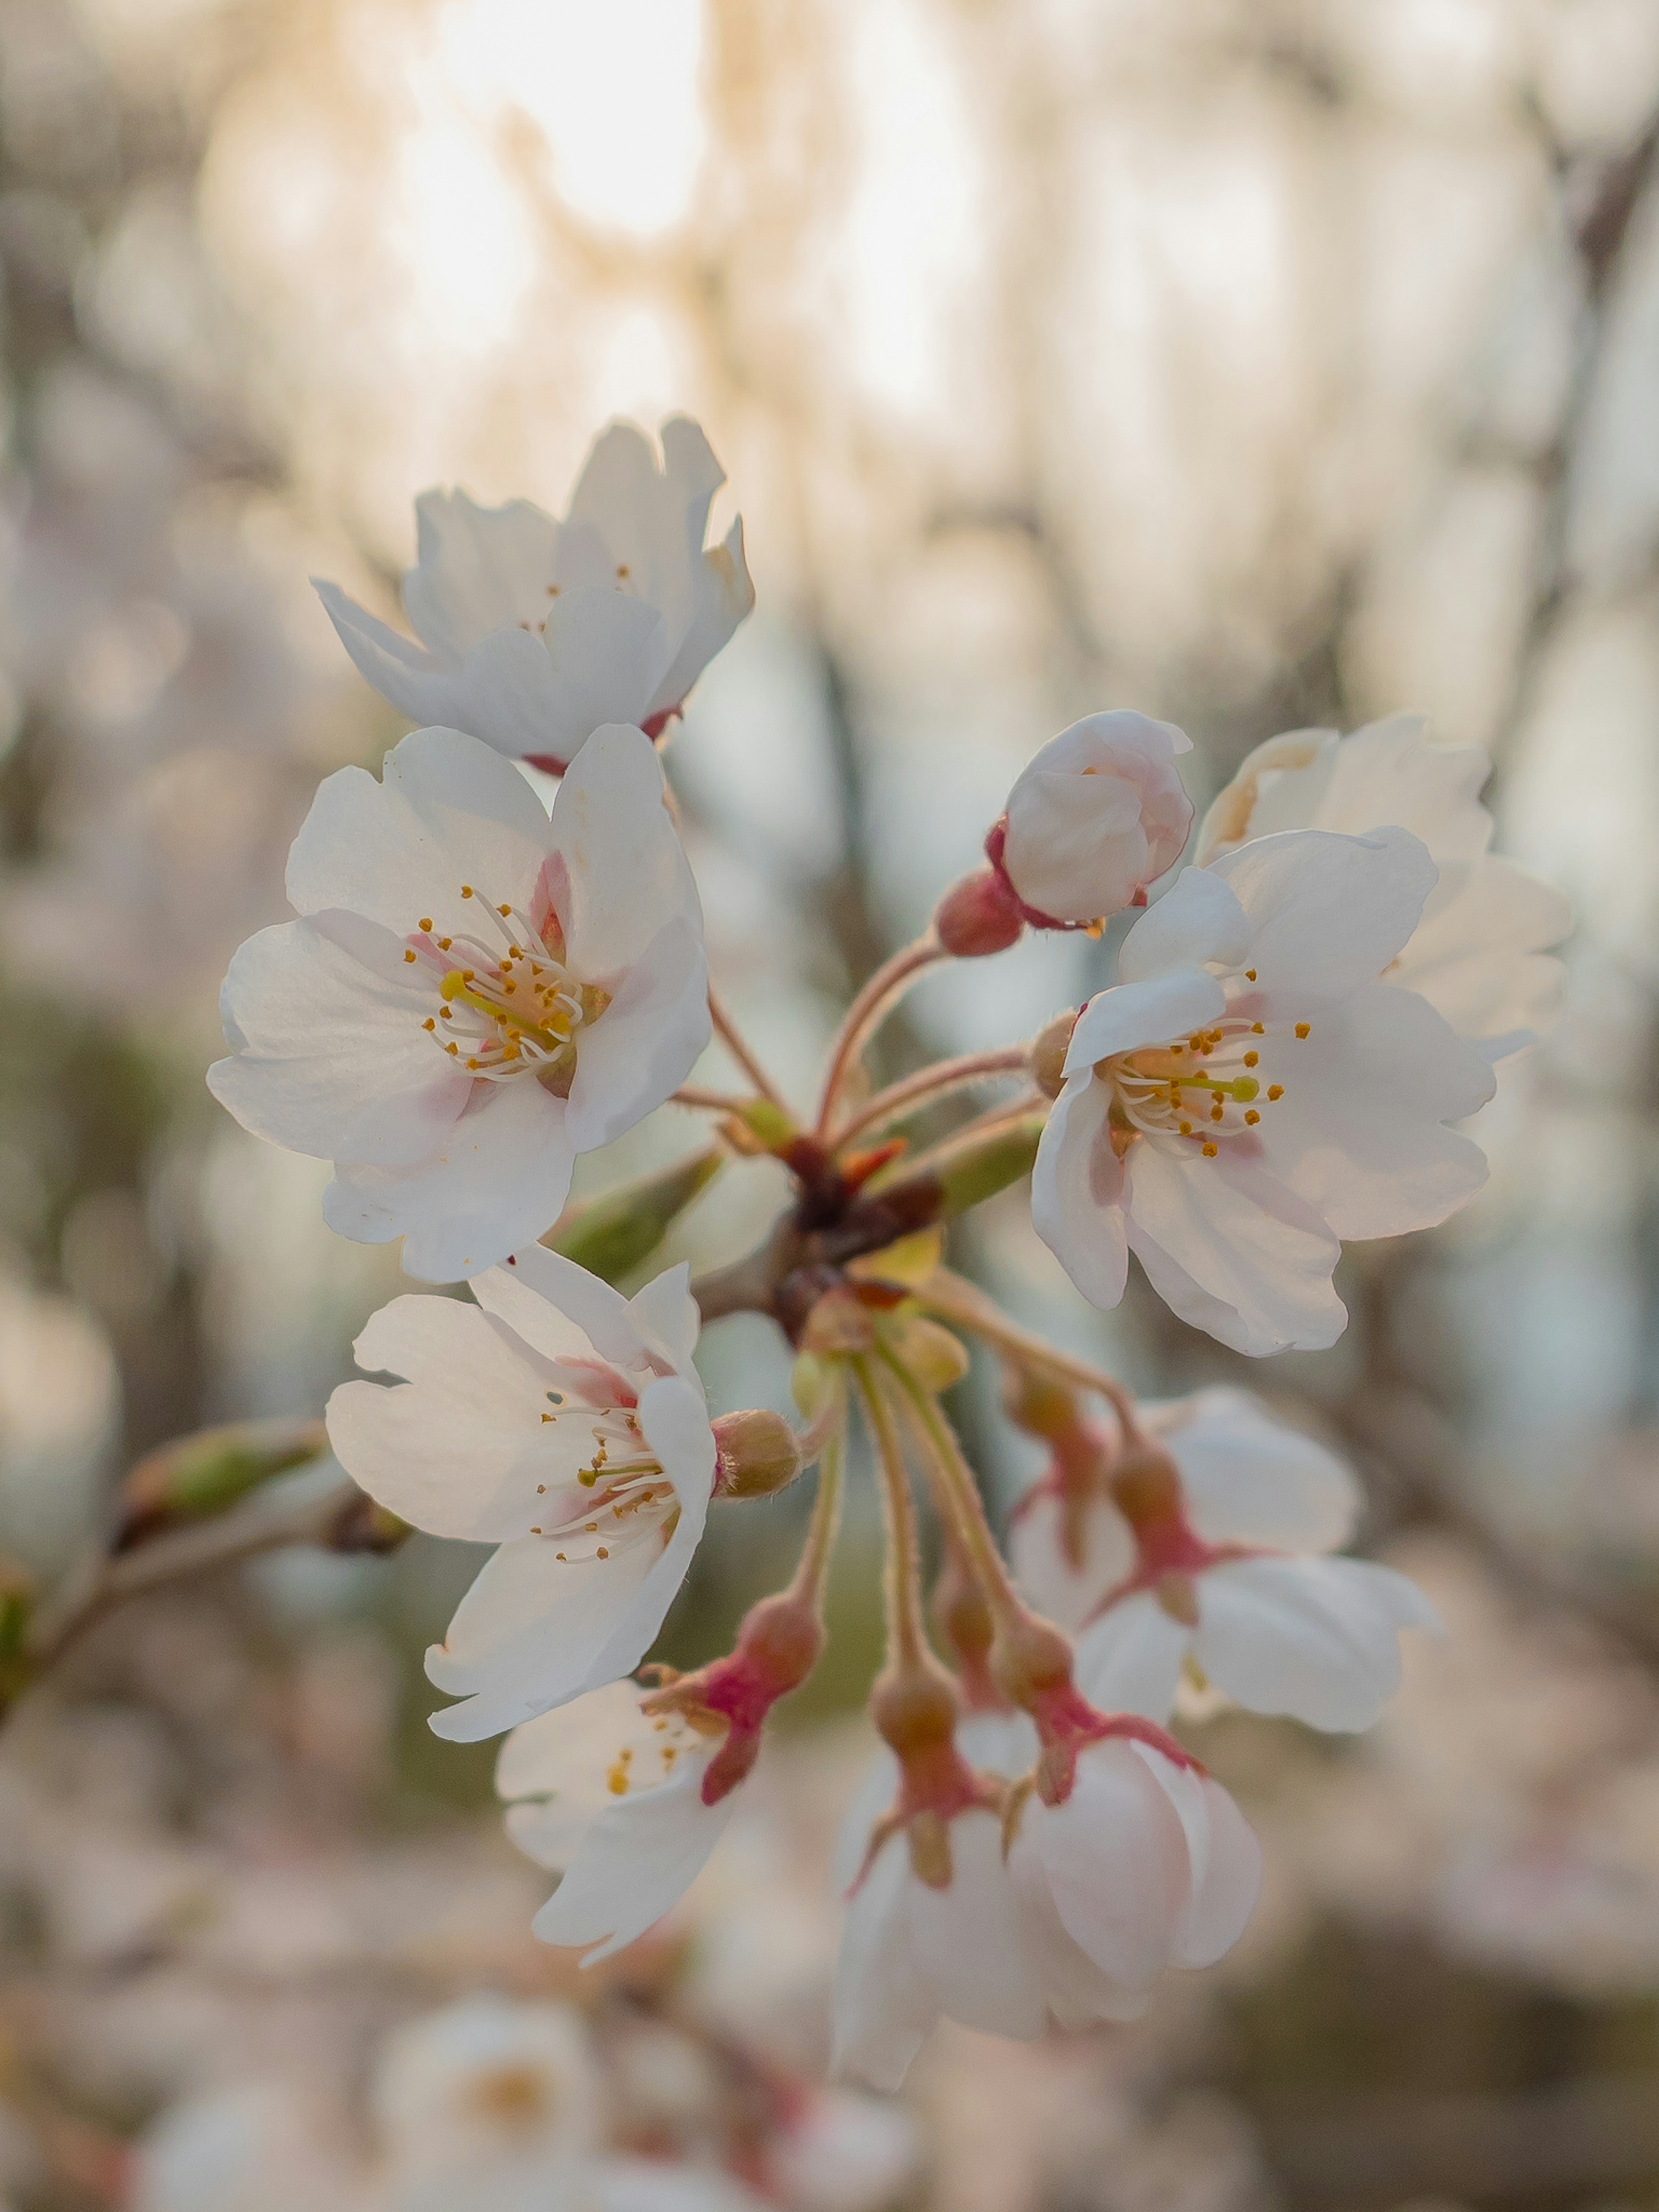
x=1479 y=958
x=1249 y=1479
x=646 y=1042
x=883 y=2010
x=1277 y=786
x=1328 y=914
x=1315 y=1639
x=965 y=1939
x=1224 y=1855
x=1075 y=1185
x=1359 y=1131
x=1199 y=919
x=627 y=874
x=668 y=1317
x=1129 y=1658
x=1062 y=1593
x=1231 y=1250
x=499 y=1180
x=561 y=1308
x=636 y=1862
x=478 y=569
x=1150 y=1011
x=1114 y=1857
x=332 y=1059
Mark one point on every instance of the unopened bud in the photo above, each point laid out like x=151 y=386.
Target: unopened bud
x=978 y=915
x=1048 y=1049
x=609 y=1235
x=202 y=1475
x=756 y=1453
x=933 y=1356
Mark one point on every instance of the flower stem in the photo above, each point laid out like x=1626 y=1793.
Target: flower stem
x=732 y=1038
x=812 y=1572
x=891 y=981
x=718 y=1101
x=954 y=1300
x=959 y=1491
x=929 y=1084
x=906 y=1649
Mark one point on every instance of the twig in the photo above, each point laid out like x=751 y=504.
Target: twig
x=930 y=1084
x=732 y=1038
x=889 y=981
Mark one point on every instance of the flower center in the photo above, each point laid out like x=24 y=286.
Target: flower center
x=507 y=1004
x=618 y=1497
x=1203 y=1089
x=651 y=1759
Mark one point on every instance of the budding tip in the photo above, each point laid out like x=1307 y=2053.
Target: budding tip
x=977 y=916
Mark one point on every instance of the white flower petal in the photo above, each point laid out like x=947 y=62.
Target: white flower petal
x=965 y=1940
x=1062 y=1593
x=883 y=2010
x=1114 y=1857
x=1075 y=1183
x=1247 y=1479
x=1197 y=919
x=1132 y=1014
x=478 y=569
x=1326 y=914
x=1314 y=1638
x=1129 y=1658
x=647 y=1041
x=562 y=1309
x=638 y=1860
x=1224 y=1855
x=628 y=874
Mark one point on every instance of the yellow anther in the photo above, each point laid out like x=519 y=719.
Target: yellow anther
x=444 y=943
x=466 y=891
x=410 y=957
x=1275 y=1091
x=1217 y=1110
x=1209 y=1151
x=455 y=1048
x=622 y=570
x=1186 y=1128
x=428 y=1024
x=1253 y=1117
x=1302 y=1028
x=503 y=910
x=617 y=1777
x=1252 y=1059
x=1250 y=975
x=602 y=1553
x=1257 y=1029
x=471 y=1062
x=426 y=921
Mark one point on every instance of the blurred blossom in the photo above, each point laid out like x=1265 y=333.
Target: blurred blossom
x=60 y=1408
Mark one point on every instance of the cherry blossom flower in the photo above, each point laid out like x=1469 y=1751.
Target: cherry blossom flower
x=1245 y=1479
x=626 y=1793
x=473 y=994
x=564 y=1423
x=1249 y=1093
x=1478 y=955
x=611 y=1798
x=931 y=1928
x=532 y=633
x=252 y=2147
x=1315 y=1638
x=1098 y=814
x=483 y=2095
x=1126 y=1859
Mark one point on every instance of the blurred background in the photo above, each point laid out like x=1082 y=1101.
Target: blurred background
x=1258 y=364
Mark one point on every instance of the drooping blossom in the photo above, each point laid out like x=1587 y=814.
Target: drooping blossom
x=472 y=995
x=1095 y=817
x=564 y=1423
x=1245 y=1597
x=1250 y=1093
x=932 y=1928
x=1245 y=1477
x=625 y=1793
x=1478 y=954
x=533 y=633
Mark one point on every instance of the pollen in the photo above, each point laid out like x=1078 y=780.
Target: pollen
x=466 y=891
x=602 y=1553
x=1275 y=1091
x=1250 y=975
x=1252 y=1059
x=428 y=1024
x=503 y=910
x=410 y=957
x=1257 y=1029
x=1216 y=1111
x=623 y=570
x=1302 y=1028
x=1186 y=1128
x=426 y=921
x=1253 y=1117
x=1209 y=1151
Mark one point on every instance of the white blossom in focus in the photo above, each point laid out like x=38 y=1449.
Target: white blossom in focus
x=473 y=994
x=1144 y=1864
x=1478 y=954
x=1098 y=814
x=1249 y=1093
x=533 y=633
x=1245 y=1479
x=611 y=1799
x=565 y=1424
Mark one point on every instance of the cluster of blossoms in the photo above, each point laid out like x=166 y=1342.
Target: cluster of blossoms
x=475 y=991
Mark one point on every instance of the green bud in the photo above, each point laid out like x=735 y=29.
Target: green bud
x=196 y=1476
x=963 y=1172
x=611 y=1235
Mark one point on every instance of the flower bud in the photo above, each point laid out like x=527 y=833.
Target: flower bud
x=1049 y=1049
x=618 y=1231
x=199 y=1476
x=935 y=1358
x=1098 y=814
x=756 y=1453
x=978 y=915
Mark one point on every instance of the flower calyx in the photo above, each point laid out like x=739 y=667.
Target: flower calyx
x=756 y=1453
x=1081 y=1453
x=916 y=1711
x=1032 y=1664
x=777 y=1648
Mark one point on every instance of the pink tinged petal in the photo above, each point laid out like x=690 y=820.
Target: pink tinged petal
x=722 y=594
x=1062 y=1593
x=1129 y=1658
x=1222 y=1854
x=1315 y=1639
x=449 y=811
x=1114 y=1857
x=499 y=1178
x=1359 y=1131
x=1130 y=1015
x=629 y=877
x=477 y=569
x=1249 y=1479
x=562 y=1309
x=965 y=1939
x=883 y=2010
x=1197 y=919
x=1328 y=914
x=1076 y=1183
x=456 y=1450
x=646 y=1042
x=1232 y=1250
x=636 y=1862
x=1479 y=958
x=331 y=1056
x=668 y=1317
